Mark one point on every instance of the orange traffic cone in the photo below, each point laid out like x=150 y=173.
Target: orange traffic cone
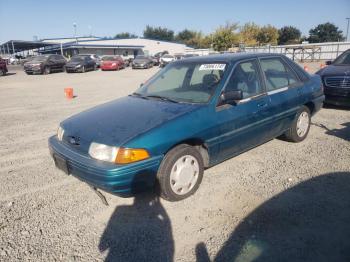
x=68 y=92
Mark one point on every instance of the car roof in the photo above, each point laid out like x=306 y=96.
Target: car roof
x=226 y=58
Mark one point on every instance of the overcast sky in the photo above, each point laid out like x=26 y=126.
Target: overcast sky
x=23 y=19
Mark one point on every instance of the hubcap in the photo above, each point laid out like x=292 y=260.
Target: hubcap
x=184 y=174
x=302 y=124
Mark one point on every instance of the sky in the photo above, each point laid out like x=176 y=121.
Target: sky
x=23 y=19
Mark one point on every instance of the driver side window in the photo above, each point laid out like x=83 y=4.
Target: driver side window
x=245 y=77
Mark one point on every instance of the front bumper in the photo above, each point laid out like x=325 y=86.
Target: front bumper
x=121 y=180
x=33 y=70
x=104 y=67
x=73 y=69
x=337 y=96
x=139 y=66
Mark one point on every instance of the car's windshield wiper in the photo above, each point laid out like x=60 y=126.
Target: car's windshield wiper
x=162 y=98
x=138 y=95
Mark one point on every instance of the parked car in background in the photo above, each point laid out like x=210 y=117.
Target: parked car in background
x=45 y=64
x=160 y=54
x=142 y=61
x=3 y=67
x=166 y=59
x=112 y=63
x=336 y=80
x=94 y=57
x=26 y=59
x=155 y=60
x=193 y=114
x=80 y=64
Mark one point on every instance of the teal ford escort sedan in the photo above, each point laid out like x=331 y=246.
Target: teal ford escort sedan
x=191 y=115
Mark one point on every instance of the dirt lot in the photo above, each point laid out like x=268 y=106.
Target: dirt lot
x=280 y=201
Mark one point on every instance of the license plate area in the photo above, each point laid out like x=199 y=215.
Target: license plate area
x=61 y=163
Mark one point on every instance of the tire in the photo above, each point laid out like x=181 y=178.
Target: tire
x=300 y=126
x=181 y=158
x=2 y=72
x=95 y=67
x=46 y=70
x=64 y=69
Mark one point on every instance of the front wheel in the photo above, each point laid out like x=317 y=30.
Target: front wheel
x=300 y=126
x=46 y=70
x=180 y=173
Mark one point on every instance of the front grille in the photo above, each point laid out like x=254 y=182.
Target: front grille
x=338 y=81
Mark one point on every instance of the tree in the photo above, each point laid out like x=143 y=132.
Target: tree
x=225 y=37
x=158 y=33
x=268 y=35
x=326 y=32
x=192 y=38
x=185 y=35
x=288 y=35
x=125 y=35
x=249 y=34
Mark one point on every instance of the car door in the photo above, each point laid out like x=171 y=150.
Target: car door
x=284 y=89
x=243 y=125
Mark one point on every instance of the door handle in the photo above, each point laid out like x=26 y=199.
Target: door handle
x=262 y=104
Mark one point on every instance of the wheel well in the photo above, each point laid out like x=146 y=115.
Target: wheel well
x=311 y=107
x=200 y=146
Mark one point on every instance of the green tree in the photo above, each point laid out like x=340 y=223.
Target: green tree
x=268 y=35
x=185 y=35
x=326 y=32
x=225 y=37
x=249 y=34
x=125 y=35
x=158 y=33
x=288 y=35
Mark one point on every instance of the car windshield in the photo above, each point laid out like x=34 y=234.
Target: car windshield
x=185 y=82
x=77 y=59
x=109 y=58
x=40 y=58
x=343 y=59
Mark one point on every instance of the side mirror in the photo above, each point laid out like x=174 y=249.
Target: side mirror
x=229 y=97
x=328 y=62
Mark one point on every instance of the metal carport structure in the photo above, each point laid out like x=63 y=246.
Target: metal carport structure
x=16 y=46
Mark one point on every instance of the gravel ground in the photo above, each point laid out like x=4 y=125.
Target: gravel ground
x=280 y=201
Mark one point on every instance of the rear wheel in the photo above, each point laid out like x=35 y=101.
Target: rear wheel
x=180 y=173
x=300 y=126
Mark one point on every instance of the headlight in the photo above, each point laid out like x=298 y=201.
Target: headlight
x=103 y=152
x=77 y=66
x=114 y=64
x=116 y=154
x=60 y=132
x=36 y=64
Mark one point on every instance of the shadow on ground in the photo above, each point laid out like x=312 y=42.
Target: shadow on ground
x=308 y=222
x=343 y=132
x=139 y=232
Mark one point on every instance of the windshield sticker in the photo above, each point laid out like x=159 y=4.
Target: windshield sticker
x=212 y=67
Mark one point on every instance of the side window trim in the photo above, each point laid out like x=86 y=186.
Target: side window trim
x=259 y=75
x=286 y=66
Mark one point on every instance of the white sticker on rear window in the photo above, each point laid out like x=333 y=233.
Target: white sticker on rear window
x=212 y=67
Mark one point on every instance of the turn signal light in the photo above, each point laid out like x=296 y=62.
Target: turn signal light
x=130 y=155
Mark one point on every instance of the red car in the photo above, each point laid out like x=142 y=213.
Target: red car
x=3 y=67
x=112 y=63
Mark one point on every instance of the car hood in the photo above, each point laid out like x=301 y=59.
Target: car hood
x=33 y=63
x=140 y=61
x=119 y=121
x=332 y=70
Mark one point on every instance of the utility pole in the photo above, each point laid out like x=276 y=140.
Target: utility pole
x=75 y=31
x=347 y=29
